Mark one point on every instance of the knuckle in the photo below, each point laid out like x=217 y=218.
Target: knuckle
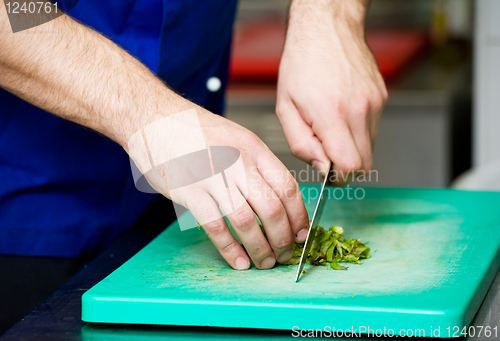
x=284 y=243
x=297 y=149
x=274 y=208
x=363 y=108
x=350 y=166
x=214 y=227
x=365 y=103
x=340 y=112
x=385 y=94
x=259 y=252
x=279 y=109
x=289 y=182
x=229 y=248
x=251 y=137
x=378 y=102
x=244 y=220
x=355 y=165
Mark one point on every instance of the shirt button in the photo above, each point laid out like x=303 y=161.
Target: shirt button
x=213 y=84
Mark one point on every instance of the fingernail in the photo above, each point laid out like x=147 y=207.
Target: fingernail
x=242 y=263
x=302 y=235
x=286 y=256
x=268 y=263
x=320 y=166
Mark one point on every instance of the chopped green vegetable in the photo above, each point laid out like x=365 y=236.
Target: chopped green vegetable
x=336 y=266
x=328 y=247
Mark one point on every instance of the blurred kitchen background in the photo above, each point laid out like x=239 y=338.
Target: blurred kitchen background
x=439 y=59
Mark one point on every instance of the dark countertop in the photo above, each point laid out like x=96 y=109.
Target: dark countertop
x=59 y=316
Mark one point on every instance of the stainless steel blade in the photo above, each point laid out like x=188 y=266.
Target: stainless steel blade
x=314 y=222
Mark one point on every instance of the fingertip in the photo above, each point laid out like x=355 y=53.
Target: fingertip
x=268 y=263
x=302 y=235
x=321 y=167
x=242 y=263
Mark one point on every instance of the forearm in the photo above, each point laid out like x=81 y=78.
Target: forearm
x=74 y=72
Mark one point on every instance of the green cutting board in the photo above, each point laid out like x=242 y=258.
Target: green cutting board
x=435 y=253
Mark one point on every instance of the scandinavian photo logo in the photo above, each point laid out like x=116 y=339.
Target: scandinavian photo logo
x=170 y=156
x=25 y=14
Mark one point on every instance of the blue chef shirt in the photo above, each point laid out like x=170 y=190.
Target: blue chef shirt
x=67 y=191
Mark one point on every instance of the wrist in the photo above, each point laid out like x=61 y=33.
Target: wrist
x=328 y=15
x=133 y=116
x=350 y=13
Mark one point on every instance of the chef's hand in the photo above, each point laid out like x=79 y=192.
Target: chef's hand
x=76 y=73
x=330 y=91
x=269 y=188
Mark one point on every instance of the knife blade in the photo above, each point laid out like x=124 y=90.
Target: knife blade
x=320 y=205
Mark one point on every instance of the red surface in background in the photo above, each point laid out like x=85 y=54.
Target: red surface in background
x=257 y=50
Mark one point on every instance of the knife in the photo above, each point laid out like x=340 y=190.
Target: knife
x=315 y=221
